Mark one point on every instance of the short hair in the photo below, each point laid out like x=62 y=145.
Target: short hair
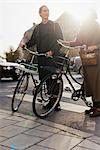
x=40 y=9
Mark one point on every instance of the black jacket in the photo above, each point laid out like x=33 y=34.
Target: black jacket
x=45 y=38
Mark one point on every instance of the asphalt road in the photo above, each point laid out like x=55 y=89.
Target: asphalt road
x=72 y=113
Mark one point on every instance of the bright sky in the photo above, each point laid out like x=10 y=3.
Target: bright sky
x=18 y=15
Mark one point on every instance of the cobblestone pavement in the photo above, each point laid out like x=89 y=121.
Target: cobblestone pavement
x=22 y=132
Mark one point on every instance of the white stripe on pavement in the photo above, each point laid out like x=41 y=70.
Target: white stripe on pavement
x=64 y=105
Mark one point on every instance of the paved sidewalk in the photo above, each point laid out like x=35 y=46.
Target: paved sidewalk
x=21 y=132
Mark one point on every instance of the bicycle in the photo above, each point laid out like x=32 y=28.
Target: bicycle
x=21 y=89
x=49 y=99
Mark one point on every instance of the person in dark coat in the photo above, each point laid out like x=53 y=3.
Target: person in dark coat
x=89 y=35
x=45 y=36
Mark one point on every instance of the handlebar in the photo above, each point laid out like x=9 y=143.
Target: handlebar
x=66 y=59
x=35 y=53
x=69 y=47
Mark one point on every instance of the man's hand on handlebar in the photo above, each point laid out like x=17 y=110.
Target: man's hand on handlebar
x=49 y=53
x=66 y=43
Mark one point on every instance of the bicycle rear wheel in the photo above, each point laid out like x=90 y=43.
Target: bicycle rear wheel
x=19 y=92
x=45 y=98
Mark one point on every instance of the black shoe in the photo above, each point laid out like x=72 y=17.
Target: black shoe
x=89 y=111
x=58 y=107
x=95 y=113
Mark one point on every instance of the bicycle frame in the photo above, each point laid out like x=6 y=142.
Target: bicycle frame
x=80 y=93
x=67 y=71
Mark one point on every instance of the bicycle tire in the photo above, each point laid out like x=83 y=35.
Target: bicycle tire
x=37 y=105
x=81 y=71
x=16 y=102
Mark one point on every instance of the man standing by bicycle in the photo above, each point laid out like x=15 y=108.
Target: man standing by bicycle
x=45 y=37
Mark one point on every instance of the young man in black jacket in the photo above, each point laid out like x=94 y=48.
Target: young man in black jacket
x=45 y=37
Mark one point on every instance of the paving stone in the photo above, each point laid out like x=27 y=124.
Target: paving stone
x=36 y=147
x=1 y=112
x=3 y=116
x=5 y=111
x=26 y=116
x=15 y=118
x=28 y=124
x=76 y=132
x=90 y=145
x=39 y=133
x=81 y=148
x=5 y=122
x=47 y=128
x=11 y=131
x=95 y=139
x=65 y=128
x=68 y=134
x=4 y=148
x=57 y=139
x=2 y=139
x=21 y=141
x=60 y=142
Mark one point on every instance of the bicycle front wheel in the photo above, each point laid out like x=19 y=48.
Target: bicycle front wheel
x=19 y=92
x=47 y=95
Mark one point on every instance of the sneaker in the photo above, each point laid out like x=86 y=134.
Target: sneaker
x=95 y=113
x=89 y=111
x=58 y=107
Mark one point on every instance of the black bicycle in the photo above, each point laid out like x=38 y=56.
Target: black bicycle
x=45 y=98
x=26 y=79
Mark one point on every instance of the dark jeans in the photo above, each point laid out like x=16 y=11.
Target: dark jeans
x=52 y=86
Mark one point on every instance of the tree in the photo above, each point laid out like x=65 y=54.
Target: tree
x=10 y=54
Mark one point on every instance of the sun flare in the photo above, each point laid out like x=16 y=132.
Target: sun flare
x=79 y=10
